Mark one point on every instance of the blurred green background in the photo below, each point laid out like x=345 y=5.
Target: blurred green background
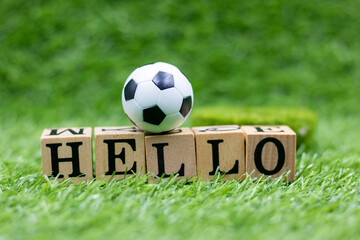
x=69 y=59
x=64 y=63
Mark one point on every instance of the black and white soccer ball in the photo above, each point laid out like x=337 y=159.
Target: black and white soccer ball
x=157 y=97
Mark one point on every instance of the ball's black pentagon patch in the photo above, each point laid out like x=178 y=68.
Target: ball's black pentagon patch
x=186 y=106
x=153 y=115
x=164 y=80
x=130 y=90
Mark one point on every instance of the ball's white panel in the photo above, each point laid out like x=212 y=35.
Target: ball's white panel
x=183 y=85
x=133 y=110
x=147 y=94
x=166 y=67
x=171 y=122
x=143 y=74
x=170 y=101
x=149 y=127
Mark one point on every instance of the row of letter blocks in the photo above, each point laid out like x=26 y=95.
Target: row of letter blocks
x=199 y=152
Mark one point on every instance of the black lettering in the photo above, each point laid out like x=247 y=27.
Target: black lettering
x=112 y=156
x=54 y=132
x=215 y=159
x=177 y=130
x=55 y=160
x=174 y=131
x=220 y=129
x=258 y=158
x=259 y=129
x=161 y=161
x=268 y=129
x=123 y=129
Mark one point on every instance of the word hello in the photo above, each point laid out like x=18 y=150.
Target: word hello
x=201 y=152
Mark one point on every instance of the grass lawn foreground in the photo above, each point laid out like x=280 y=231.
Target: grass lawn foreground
x=63 y=64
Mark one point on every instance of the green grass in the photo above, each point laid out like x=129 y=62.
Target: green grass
x=323 y=202
x=63 y=63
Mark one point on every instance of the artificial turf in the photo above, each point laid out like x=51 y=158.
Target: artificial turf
x=63 y=63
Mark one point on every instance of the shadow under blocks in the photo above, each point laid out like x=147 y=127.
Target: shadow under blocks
x=199 y=152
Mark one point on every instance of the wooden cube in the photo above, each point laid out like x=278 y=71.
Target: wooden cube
x=119 y=151
x=171 y=153
x=270 y=151
x=67 y=153
x=220 y=148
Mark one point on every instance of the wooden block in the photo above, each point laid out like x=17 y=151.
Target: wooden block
x=119 y=151
x=222 y=148
x=270 y=150
x=169 y=153
x=67 y=153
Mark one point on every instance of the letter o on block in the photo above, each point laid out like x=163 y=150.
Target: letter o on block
x=270 y=151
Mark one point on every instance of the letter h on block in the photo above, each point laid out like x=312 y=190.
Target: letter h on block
x=67 y=153
x=119 y=151
x=270 y=151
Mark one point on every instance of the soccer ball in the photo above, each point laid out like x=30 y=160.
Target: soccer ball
x=157 y=97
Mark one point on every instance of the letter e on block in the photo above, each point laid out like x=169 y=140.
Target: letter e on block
x=171 y=153
x=67 y=153
x=270 y=151
x=220 y=148
x=119 y=151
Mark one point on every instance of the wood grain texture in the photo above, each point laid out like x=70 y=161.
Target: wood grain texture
x=119 y=151
x=173 y=152
x=270 y=151
x=67 y=153
x=222 y=148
